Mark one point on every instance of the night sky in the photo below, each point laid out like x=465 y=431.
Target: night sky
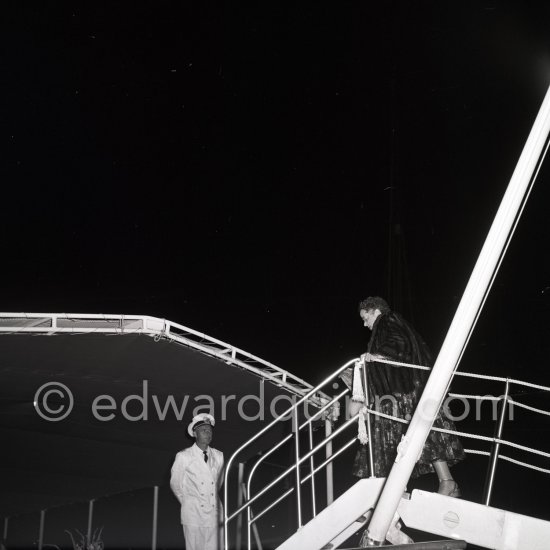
x=252 y=172
x=240 y=171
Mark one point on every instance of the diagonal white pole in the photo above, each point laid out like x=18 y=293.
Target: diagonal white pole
x=411 y=447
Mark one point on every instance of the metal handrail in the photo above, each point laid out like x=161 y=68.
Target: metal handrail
x=288 y=437
x=312 y=468
x=264 y=456
x=291 y=468
x=299 y=460
x=251 y=519
x=319 y=468
x=313 y=449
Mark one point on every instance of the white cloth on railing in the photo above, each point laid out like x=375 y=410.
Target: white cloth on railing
x=359 y=396
x=362 y=435
x=358 y=392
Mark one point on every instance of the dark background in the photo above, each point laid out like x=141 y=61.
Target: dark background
x=253 y=171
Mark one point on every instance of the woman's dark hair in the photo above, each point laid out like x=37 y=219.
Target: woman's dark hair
x=374 y=302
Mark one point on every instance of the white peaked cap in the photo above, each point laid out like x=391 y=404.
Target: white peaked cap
x=200 y=420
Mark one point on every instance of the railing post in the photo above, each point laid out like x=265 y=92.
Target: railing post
x=292 y=410
x=246 y=494
x=90 y=521
x=238 y=534
x=5 y=535
x=489 y=483
x=254 y=526
x=312 y=467
x=367 y=404
x=297 y=452
x=155 y=517
x=328 y=454
x=41 y=529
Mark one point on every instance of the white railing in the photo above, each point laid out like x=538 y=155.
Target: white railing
x=321 y=413
x=506 y=402
x=117 y=324
x=302 y=459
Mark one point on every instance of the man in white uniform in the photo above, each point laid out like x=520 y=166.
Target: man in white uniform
x=197 y=475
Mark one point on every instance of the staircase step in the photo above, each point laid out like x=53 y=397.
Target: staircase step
x=336 y=519
x=476 y=523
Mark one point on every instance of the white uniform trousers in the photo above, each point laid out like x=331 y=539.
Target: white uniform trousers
x=201 y=538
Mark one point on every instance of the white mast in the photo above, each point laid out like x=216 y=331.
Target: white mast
x=411 y=446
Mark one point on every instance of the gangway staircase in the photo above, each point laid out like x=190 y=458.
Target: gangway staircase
x=448 y=517
x=458 y=521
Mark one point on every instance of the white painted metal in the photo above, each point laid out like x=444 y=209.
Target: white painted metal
x=314 y=391
x=252 y=526
x=306 y=478
x=284 y=474
x=337 y=517
x=240 y=497
x=328 y=456
x=327 y=463
x=41 y=529
x=90 y=520
x=289 y=469
x=155 y=517
x=297 y=468
x=461 y=326
x=475 y=523
x=358 y=524
x=86 y=323
x=312 y=471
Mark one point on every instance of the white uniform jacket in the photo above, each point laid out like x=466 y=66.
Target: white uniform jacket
x=196 y=483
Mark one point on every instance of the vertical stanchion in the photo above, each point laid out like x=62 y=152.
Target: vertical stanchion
x=41 y=529
x=496 y=447
x=5 y=535
x=367 y=404
x=254 y=527
x=257 y=537
x=155 y=517
x=328 y=454
x=249 y=519
x=312 y=467
x=238 y=534
x=90 y=521
x=297 y=451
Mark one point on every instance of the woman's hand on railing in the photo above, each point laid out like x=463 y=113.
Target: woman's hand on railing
x=370 y=357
